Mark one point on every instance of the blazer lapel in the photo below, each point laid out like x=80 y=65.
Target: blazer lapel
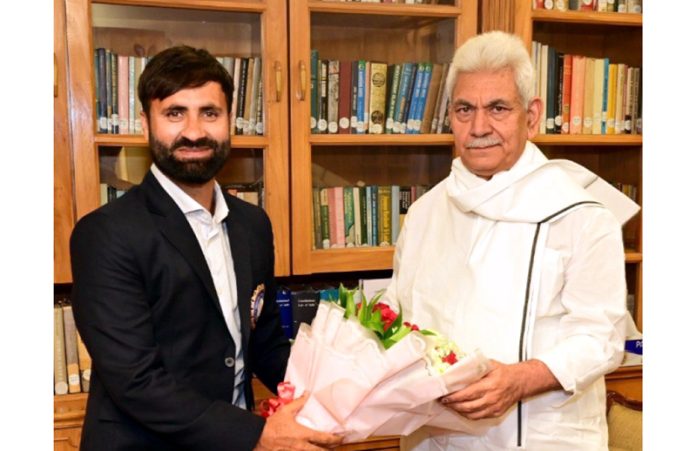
x=241 y=254
x=173 y=225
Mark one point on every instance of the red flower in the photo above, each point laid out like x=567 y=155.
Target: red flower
x=450 y=358
x=388 y=315
x=412 y=326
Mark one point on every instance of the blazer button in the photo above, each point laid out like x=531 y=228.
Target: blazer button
x=229 y=362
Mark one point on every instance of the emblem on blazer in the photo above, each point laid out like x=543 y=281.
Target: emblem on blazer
x=256 y=304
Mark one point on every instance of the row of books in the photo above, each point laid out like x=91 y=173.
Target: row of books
x=298 y=304
x=617 y=6
x=374 y=97
x=584 y=95
x=252 y=193
x=118 y=107
x=72 y=365
x=356 y=216
x=628 y=189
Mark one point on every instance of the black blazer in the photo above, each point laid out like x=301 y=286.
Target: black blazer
x=147 y=310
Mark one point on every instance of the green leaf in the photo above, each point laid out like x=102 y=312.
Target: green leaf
x=342 y=295
x=350 y=305
x=427 y=332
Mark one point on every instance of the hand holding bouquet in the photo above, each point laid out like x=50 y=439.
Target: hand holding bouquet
x=370 y=373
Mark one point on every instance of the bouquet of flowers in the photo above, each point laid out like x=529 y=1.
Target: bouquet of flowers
x=369 y=373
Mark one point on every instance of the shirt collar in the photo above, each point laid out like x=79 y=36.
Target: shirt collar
x=185 y=202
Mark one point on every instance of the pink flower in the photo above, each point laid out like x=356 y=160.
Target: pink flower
x=286 y=393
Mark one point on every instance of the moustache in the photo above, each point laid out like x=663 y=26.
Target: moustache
x=482 y=142
x=200 y=142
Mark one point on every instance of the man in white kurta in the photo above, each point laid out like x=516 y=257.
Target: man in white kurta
x=520 y=257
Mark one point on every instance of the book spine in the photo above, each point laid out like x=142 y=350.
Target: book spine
x=407 y=91
x=366 y=103
x=132 y=94
x=384 y=215
x=431 y=98
x=333 y=91
x=368 y=216
x=551 y=89
x=357 y=212
x=598 y=96
x=314 y=90
x=284 y=303
x=374 y=207
x=235 y=94
x=323 y=121
x=85 y=362
x=558 y=119
x=354 y=80
x=362 y=205
x=420 y=106
x=577 y=94
x=73 y=366
x=404 y=203
x=101 y=94
x=316 y=219
x=325 y=218
x=241 y=97
x=588 y=100
x=112 y=77
x=60 y=372
x=250 y=121
x=611 y=100
x=393 y=92
x=109 y=91
x=628 y=99
x=378 y=94
x=140 y=63
x=412 y=101
x=404 y=80
x=565 y=98
x=543 y=77
x=618 y=111
x=442 y=103
x=360 y=105
x=635 y=100
x=344 y=97
x=348 y=217
x=395 y=224
x=340 y=217
x=123 y=92
x=260 y=110
x=249 y=95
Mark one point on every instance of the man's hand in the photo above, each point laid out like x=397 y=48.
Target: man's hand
x=492 y=395
x=282 y=432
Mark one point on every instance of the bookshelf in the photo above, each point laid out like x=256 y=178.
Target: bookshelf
x=617 y=36
x=244 y=28
x=388 y=33
x=287 y=151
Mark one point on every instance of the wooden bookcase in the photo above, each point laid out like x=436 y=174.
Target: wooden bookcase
x=390 y=33
x=224 y=27
x=283 y=33
x=619 y=37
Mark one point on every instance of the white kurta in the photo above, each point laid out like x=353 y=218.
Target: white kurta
x=526 y=265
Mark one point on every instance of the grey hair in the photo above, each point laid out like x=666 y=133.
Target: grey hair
x=492 y=51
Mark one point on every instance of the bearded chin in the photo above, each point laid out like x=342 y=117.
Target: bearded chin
x=190 y=172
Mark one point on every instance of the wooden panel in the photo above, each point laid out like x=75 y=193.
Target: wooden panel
x=81 y=105
x=570 y=17
x=276 y=157
x=628 y=381
x=235 y=5
x=63 y=209
x=67 y=439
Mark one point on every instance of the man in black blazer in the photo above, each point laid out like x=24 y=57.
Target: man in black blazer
x=163 y=284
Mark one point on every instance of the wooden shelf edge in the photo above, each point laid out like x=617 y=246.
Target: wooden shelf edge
x=588 y=17
x=585 y=140
x=378 y=140
x=236 y=141
x=356 y=259
x=385 y=9
x=625 y=372
x=252 y=6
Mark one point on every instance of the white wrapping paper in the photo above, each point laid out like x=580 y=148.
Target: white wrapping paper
x=359 y=389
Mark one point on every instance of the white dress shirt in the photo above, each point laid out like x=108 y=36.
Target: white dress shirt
x=211 y=233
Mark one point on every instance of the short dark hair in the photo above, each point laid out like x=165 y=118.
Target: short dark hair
x=178 y=68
